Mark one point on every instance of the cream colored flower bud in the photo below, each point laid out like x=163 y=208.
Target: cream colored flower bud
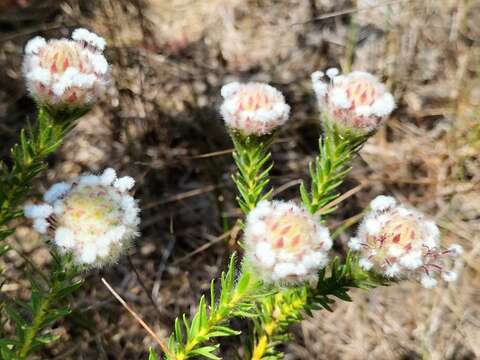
x=66 y=72
x=284 y=243
x=401 y=243
x=91 y=217
x=253 y=108
x=356 y=101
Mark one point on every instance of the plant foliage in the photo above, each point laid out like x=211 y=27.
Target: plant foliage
x=235 y=299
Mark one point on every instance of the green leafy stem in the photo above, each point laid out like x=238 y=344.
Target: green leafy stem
x=252 y=158
x=235 y=299
x=336 y=150
x=45 y=306
x=283 y=309
x=28 y=160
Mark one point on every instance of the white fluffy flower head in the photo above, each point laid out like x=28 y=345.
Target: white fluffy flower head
x=92 y=217
x=400 y=242
x=355 y=101
x=284 y=243
x=253 y=108
x=66 y=72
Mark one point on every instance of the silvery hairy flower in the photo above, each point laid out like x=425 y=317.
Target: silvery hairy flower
x=92 y=217
x=356 y=101
x=63 y=72
x=401 y=243
x=284 y=243
x=253 y=108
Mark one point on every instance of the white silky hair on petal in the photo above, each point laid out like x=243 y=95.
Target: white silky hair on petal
x=82 y=81
x=89 y=37
x=428 y=282
x=66 y=81
x=354 y=243
x=314 y=259
x=339 y=98
x=43 y=76
x=283 y=270
x=412 y=260
x=382 y=202
x=116 y=234
x=230 y=89
x=456 y=249
x=265 y=254
x=65 y=237
x=373 y=226
x=319 y=86
x=332 y=72
x=259 y=228
x=392 y=270
x=56 y=191
x=317 y=76
x=128 y=203
x=300 y=269
x=41 y=225
x=37 y=211
x=89 y=180
x=100 y=64
x=450 y=276
x=365 y=264
x=383 y=106
x=131 y=217
x=432 y=236
x=395 y=250
x=108 y=177
x=363 y=110
x=58 y=207
x=124 y=184
x=88 y=254
x=34 y=45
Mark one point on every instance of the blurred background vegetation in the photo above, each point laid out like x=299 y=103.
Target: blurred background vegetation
x=160 y=124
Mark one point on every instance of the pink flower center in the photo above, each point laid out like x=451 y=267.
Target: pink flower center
x=361 y=92
x=252 y=100
x=91 y=210
x=58 y=56
x=288 y=231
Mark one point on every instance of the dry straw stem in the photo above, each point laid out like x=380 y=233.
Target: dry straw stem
x=137 y=317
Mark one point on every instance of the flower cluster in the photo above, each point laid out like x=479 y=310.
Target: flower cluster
x=400 y=243
x=66 y=72
x=284 y=243
x=93 y=217
x=253 y=108
x=355 y=101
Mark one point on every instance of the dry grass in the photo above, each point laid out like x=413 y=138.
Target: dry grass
x=169 y=59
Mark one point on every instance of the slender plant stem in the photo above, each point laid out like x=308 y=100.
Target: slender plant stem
x=37 y=322
x=253 y=163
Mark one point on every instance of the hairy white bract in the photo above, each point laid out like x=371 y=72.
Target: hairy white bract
x=356 y=101
x=93 y=217
x=401 y=243
x=284 y=243
x=66 y=72
x=253 y=108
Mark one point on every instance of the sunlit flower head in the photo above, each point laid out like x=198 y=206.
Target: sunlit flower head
x=284 y=243
x=401 y=243
x=66 y=72
x=93 y=217
x=356 y=101
x=253 y=108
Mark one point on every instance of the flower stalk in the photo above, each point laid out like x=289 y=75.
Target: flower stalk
x=252 y=158
x=45 y=307
x=235 y=299
x=28 y=158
